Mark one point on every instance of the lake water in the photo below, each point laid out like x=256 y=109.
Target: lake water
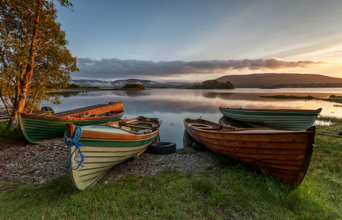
x=171 y=106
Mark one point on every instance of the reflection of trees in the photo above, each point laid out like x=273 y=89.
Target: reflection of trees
x=136 y=92
x=66 y=94
x=132 y=92
x=212 y=95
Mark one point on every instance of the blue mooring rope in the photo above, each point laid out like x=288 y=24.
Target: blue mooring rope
x=79 y=154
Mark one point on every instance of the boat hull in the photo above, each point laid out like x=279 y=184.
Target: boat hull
x=41 y=128
x=107 y=145
x=101 y=155
x=284 y=155
x=275 y=119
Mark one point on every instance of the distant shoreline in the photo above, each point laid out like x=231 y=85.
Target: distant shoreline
x=89 y=89
x=114 y=89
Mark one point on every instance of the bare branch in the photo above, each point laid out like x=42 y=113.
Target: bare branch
x=38 y=64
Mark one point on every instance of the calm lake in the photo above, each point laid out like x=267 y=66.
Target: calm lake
x=171 y=106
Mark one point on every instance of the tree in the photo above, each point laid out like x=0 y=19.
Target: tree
x=33 y=54
x=134 y=86
x=213 y=84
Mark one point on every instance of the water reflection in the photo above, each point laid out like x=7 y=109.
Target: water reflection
x=212 y=95
x=171 y=106
x=322 y=123
x=66 y=94
x=228 y=121
x=132 y=93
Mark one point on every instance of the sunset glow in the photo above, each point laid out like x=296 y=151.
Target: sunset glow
x=304 y=35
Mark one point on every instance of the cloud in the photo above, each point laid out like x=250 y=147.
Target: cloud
x=117 y=68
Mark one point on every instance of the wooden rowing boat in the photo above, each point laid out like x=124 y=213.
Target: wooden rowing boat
x=280 y=119
x=38 y=128
x=109 y=144
x=4 y=118
x=282 y=154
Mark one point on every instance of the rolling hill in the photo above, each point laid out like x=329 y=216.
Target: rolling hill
x=265 y=80
x=117 y=83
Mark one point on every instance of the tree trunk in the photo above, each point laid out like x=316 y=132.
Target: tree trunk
x=26 y=79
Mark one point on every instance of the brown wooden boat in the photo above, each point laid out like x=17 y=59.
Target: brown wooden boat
x=284 y=155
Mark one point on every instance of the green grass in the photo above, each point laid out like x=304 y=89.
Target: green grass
x=234 y=191
x=301 y=97
x=334 y=129
x=8 y=137
x=333 y=100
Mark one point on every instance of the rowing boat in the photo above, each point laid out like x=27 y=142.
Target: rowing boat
x=280 y=119
x=39 y=128
x=107 y=145
x=284 y=155
x=5 y=118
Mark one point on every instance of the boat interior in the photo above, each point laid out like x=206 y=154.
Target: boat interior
x=111 y=113
x=208 y=125
x=140 y=125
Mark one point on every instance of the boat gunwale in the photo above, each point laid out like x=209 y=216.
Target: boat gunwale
x=275 y=110
x=70 y=118
x=236 y=130
x=119 y=136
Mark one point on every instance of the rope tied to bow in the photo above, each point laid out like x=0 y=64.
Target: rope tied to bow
x=79 y=157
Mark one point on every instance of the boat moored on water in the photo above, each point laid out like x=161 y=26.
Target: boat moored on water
x=284 y=155
x=39 y=128
x=107 y=145
x=280 y=119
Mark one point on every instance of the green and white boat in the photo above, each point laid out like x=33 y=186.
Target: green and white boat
x=107 y=145
x=39 y=128
x=279 y=119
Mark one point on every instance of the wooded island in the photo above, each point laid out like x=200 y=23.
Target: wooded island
x=213 y=84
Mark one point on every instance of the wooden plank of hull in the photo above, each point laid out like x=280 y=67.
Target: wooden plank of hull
x=97 y=165
x=39 y=128
x=112 y=146
x=288 y=162
x=254 y=137
x=277 y=119
x=4 y=118
x=95 y=109
x=261 y=145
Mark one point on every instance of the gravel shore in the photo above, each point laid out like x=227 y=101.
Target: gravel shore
x=32 y=164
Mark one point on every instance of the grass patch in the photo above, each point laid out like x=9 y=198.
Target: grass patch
x=234 y=191
x=8 y=137
x=309 y=97
x=288 y=97
x=337 y=121
x=333 y=100
x=333 y=129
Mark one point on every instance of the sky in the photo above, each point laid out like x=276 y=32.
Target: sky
x=195 y=40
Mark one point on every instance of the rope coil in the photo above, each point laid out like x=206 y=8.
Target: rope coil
x=79 y=157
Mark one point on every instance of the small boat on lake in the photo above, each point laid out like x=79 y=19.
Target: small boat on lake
x=38 y=128
x=280 y=119
x=284 y=155
x=107 y=145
